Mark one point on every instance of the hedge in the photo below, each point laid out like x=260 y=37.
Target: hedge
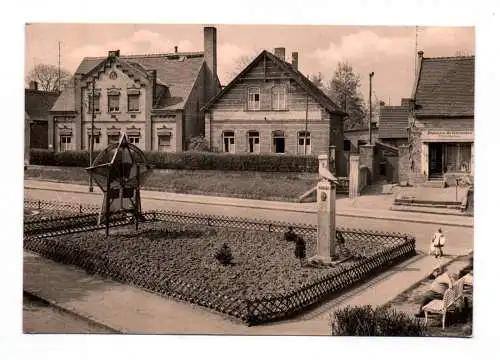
x=192 y=160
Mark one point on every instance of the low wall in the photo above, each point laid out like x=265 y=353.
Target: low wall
x=362 y=178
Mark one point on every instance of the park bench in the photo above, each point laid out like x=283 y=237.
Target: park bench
x=452 y=298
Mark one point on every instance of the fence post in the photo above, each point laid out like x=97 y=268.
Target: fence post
x=80 y=208
x=270 y=225
x=39 y=205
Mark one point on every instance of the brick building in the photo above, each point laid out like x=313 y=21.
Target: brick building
x=270 y=107
x=154 y=99
x=441 y=144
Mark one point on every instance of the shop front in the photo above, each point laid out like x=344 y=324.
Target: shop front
x=447 y=153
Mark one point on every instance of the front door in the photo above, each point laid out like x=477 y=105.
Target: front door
x=435 y=159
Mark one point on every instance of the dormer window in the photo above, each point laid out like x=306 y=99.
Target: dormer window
x=254 y=98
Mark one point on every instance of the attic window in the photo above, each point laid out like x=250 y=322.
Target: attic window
x=113 y=75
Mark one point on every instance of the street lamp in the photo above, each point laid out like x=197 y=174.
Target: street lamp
x=370 y=109
x=91 y=147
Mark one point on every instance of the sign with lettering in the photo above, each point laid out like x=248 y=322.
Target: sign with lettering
x=448 y=135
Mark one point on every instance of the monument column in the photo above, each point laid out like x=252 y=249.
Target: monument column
x=326 y=196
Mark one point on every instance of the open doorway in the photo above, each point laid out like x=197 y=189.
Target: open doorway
x=279 y=142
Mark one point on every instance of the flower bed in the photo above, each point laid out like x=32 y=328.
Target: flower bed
x=265 y=281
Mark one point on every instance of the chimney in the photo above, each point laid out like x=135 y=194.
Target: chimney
x=33 y=85
x=280 y=52
x=113 y=53
x=295 y=60
x=175 y=49
x=210 y=53
x=382 y=103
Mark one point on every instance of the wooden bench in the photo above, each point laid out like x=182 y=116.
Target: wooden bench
x=452 y=298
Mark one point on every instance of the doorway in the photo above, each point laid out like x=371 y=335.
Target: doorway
x=436 y=160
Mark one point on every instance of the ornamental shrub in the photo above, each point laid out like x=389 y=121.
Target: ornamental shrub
x=381 y=321
x=193 y=160
x=198 y=143
x=300 y=248
x=224 y=256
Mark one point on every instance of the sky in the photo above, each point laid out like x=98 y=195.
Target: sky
x=388 y=51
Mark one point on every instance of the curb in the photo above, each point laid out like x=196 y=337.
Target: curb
x=339 y=213
x=72 y=312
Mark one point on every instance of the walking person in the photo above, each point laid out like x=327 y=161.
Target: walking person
x=437 y=243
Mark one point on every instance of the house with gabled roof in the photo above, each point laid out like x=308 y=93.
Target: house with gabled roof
x=393 y=123
x=441 y=120
x=271 y=107
x=155 y=99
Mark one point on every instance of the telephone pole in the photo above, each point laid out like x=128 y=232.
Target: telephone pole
x=91 y=147
x=370 y=109
x=59 y=68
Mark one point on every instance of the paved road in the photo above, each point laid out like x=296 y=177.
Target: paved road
x=42 y=318
x=457 y=236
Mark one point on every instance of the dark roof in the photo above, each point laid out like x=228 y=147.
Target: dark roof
x=37 y=103
x=178 y=72
x=445 y=87
x=296 y=75
x=393 y=122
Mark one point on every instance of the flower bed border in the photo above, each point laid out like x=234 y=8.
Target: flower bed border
x=251 y=310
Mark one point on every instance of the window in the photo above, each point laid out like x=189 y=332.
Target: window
x=279 y=98
x=228 y=142
x=113 y=103
x=253 y=142
x=133 y=102
x=304 y=143
x=458 y=157
x=279 y=142
x=97 y=108
x=347 y=145
x=164 y=142
x=253 y=99
x=113 y=139
x=97 y=139
x=133 y=139
x=65 y=143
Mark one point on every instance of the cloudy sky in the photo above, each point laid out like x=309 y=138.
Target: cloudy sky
x=388 y=51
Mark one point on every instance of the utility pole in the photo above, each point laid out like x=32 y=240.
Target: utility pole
x=370 y=109
x=91 y=147
x=59 y=68
x=307 y=114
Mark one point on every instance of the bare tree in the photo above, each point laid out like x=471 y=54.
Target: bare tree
x=47 y=77
x=317 y=79
x=241 y=63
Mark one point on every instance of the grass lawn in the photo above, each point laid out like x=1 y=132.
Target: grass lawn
x=250 y=185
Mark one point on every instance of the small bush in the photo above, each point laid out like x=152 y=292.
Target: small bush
x=300 y=248
x=381 y=321
x=198 y=143
x=224 y=256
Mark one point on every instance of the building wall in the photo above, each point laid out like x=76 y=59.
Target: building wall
x=165 y=123
x=125 y=121
x=231 y=113
x=194 y=124
x=355 y=136
x=38 y=135
x=416 y=169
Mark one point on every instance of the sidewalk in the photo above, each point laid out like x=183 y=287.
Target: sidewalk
x=130 y=310
x=371 y=207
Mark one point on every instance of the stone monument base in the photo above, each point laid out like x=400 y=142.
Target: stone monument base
x=322 y=261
